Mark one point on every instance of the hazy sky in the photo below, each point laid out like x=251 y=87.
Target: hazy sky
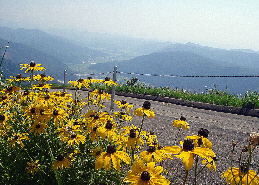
x=218 y=23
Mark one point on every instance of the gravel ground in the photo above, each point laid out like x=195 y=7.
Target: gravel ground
x=224 y=129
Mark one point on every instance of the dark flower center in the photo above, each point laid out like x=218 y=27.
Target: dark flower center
x=26 y=92
x=80 y=80
x=89 y=77
x=18 y=76
x=40 y=85
x=60 y=158
x=243 y=168
x=43 y=75
x=182 y=118
x=32 y=64
x=16 y=137
x=46 y=97
x=98 y=152
x=100 y=91
x=111 y=149
x=69 y=129
x=73 y=136
x=55 y=112
x=76 y=123
x=9 y=89
x=96 y=116
x=146 y=105
x=107 y=79
x=151 y=149
x=38 y=126
x=95 y=128
x=151 y=133
x=132 y=133
x=188 y=145
x=33 y=110
x=200 y=141
x=63 y=94
x=123 y=102
x=108 y=125
x=4 y=97
x=41 y=112
x=2 y=117
x=203 y=132
x=145 y=176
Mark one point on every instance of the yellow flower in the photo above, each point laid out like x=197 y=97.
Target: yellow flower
x=241 y=175
x=11 y=89
x=108 y=81
x=18 y=78
x=100 y=95
x=123 y=105
x=151 y=138
x=79 y=83
x=17 y=138
x=132 y=137
x=181 y=124
x=108 y=130
x=96 y=152
x=141 y=174
x=145 y=110
x=41 y=86
x=61 y=163
x=32 y=67
x=92 y=134
x=186 y=153
x=140 y=112
x=201 y=139
x=105 y=158
x=32 y=166
x=75 y=138
x=210 y=163
x=43 y=78
x=38 y=128
x=59 y=116
x=71 y=156
x=123 y=116
x=67 y=130
x=154 y=154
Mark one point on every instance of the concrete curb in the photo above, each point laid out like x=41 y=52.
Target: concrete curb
x=199 y=105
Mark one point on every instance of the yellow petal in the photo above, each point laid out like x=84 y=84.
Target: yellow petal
x=158 y=170
x=172 y=149
x=115 y=162
x=107 y=162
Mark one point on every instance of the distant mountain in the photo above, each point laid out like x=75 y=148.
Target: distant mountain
x=242 y=58
x=58 y=47
x=19 y=53
x=180 y=62
x=111 y=43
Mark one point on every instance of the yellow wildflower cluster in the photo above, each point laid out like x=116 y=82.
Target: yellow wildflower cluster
x=65 y=138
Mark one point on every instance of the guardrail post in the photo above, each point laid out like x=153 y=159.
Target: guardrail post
x=64 y=88
x=113 y=88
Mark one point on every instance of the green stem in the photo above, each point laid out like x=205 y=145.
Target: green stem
x=142 y=122
x=31 y=79
x=132 y=156
x=195 y=170
x=185 y=178
x=231 y=166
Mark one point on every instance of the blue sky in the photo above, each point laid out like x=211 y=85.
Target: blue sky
x=218 y=23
